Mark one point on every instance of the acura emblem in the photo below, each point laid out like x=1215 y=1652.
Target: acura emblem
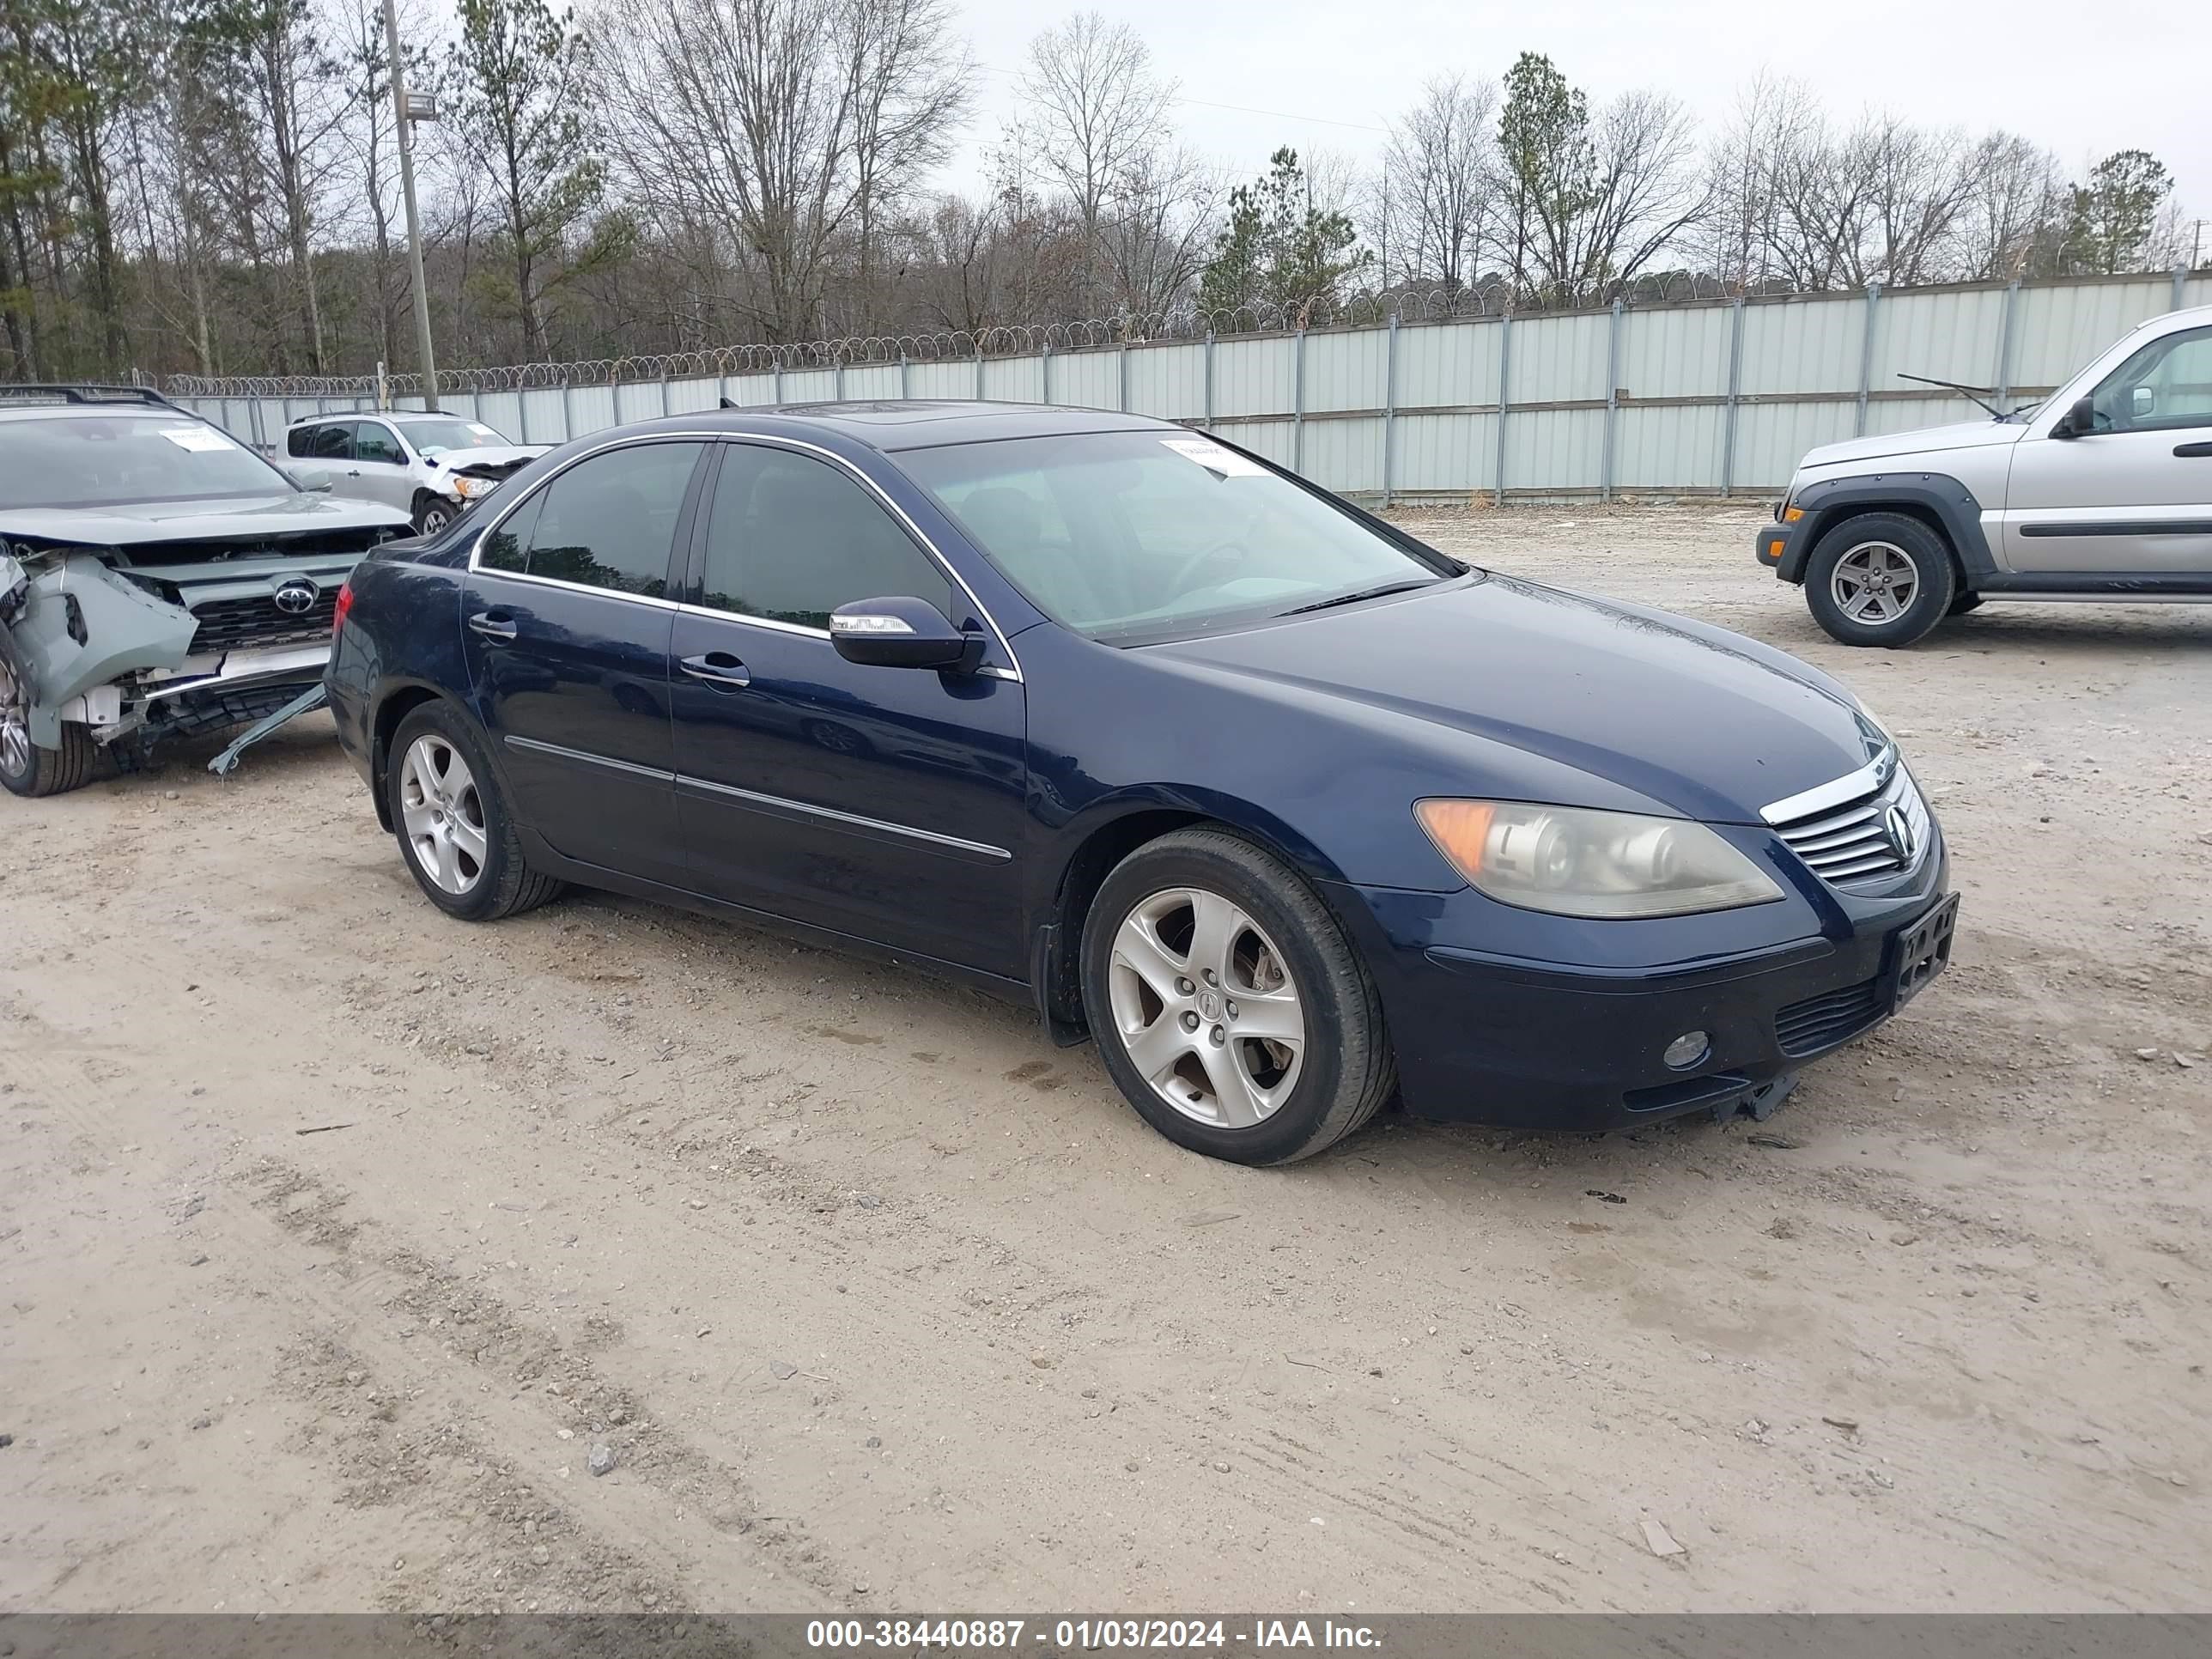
x=1899 y=829
x=297 y=597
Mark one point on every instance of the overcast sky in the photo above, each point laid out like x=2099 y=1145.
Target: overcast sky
x=2083 y=79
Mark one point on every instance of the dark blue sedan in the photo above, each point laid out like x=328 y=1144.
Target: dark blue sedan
x=1292 y=813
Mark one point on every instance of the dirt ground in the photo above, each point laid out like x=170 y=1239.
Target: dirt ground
x=335 y=1236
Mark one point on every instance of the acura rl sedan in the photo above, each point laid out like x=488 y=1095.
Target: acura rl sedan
x=1289 y=812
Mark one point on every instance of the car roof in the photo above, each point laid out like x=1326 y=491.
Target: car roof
x=894 y=424
x=28 y=408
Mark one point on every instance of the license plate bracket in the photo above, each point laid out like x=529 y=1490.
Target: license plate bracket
x=1920 y=952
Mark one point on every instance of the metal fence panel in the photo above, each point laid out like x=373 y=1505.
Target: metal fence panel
x=1087 y=380
x=1254 y=377
x=1768 y=447
x=2060 y=329
x=944 y=379
x=1676 y=351
x=1014 y=380
x=1447 y=365
x=1947 y=334
x=1346 y=455
x=1553 y=450
x=1560 y=359
x=1670 y=447
x=1803 y=345
x=1346 y=371
x=1446 y=454
x=1168 y=381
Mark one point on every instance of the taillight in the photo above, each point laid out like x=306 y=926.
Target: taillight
x=343 y=603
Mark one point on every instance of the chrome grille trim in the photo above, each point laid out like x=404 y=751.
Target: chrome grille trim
x=1840 y=829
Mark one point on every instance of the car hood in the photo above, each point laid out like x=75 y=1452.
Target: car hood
x=452 y=461
x=246 y=517
x=1921 y=441
x=1691 y=717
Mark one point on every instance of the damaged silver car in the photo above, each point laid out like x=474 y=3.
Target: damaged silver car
x=157 y=577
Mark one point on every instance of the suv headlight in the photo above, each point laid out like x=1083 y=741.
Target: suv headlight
x=1575 y=861
x=471 y=490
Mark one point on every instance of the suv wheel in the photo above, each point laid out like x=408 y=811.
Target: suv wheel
x=1880 y=579
x=432 y=515
x=453 y=826
x=1228 y=1005
x=26 y=768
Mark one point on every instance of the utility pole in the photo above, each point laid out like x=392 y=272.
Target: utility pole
x=403 y=106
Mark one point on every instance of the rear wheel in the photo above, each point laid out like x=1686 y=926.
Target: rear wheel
x=453 y=827
x=1880 y=579
x=26 y=768
x=1229 y=1006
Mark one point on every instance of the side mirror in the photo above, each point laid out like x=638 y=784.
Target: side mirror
x=901 y=632
x=2078 y=421
x=2143 y=403
x=309 y=479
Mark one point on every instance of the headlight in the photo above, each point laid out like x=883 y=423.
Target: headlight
x=469 y=489
x=1573 y=861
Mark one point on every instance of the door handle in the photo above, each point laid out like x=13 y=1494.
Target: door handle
x=492 y=627
x=718 y=668
x=2195 y=452
x=353 y=472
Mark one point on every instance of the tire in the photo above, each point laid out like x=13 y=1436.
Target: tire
x=484 y=876
x=1915 y=580
x=1284 y=1102
x=1963 y=603
x=26 y=768
x=432 y=515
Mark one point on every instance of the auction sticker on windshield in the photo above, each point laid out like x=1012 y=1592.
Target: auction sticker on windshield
x=197 y=438
x=1225 y=463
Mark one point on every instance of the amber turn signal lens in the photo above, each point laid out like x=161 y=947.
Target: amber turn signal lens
x=1791 y=514
x=1459 y=828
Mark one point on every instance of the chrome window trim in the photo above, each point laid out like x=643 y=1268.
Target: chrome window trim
x=929 y=547
x=579 y=587
x=589 y=759
x=1873 y=776
x=998 y=855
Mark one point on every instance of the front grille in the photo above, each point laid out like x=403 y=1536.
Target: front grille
x=1855 y=841
x=1822 y=1022
x=257 y=623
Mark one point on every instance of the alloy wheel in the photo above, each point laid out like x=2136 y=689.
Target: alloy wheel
x=442 y=813
x=14 y=727
x=1205 y=1008
x=1875 y=582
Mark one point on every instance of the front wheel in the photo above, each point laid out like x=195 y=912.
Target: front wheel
x=1229 y=1006
x=433 y=515
x=454 y=830
x=26 y=768
x=1880 y=579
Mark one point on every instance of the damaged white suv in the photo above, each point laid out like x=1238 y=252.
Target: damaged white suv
x=156 y=577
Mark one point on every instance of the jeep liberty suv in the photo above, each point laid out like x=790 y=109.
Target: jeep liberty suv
x=2102 y=492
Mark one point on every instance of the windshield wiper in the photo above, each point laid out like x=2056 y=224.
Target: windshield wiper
x=1980 y=394
x=1361 y=593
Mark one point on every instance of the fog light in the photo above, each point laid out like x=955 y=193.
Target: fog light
x=1687 y=1049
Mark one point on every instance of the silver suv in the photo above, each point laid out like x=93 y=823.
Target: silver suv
x=429 y=466
x=2104 y=491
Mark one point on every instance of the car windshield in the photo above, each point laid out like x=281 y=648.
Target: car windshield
x=105 y=460
x=1130 y=537
x=435 y=436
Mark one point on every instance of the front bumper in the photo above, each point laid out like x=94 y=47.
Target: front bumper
x=1772 y=545
x=1482 y=1037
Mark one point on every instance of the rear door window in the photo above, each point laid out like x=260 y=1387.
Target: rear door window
x=608 y=521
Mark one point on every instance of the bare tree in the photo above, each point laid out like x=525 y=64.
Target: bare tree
x=1761 y=145
x=1094 y=113
x=1439 y=185
x=2015 y=199
x=910 y=89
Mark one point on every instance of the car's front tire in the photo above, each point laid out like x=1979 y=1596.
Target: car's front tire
x=1880 y=579
x=433 y=513
x=26 y=768
x=453 y=823
x=1228 y=1005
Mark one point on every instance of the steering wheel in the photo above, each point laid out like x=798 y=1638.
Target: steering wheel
x=1186 y=577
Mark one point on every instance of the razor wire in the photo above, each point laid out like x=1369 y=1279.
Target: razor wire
x=1176 y=324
